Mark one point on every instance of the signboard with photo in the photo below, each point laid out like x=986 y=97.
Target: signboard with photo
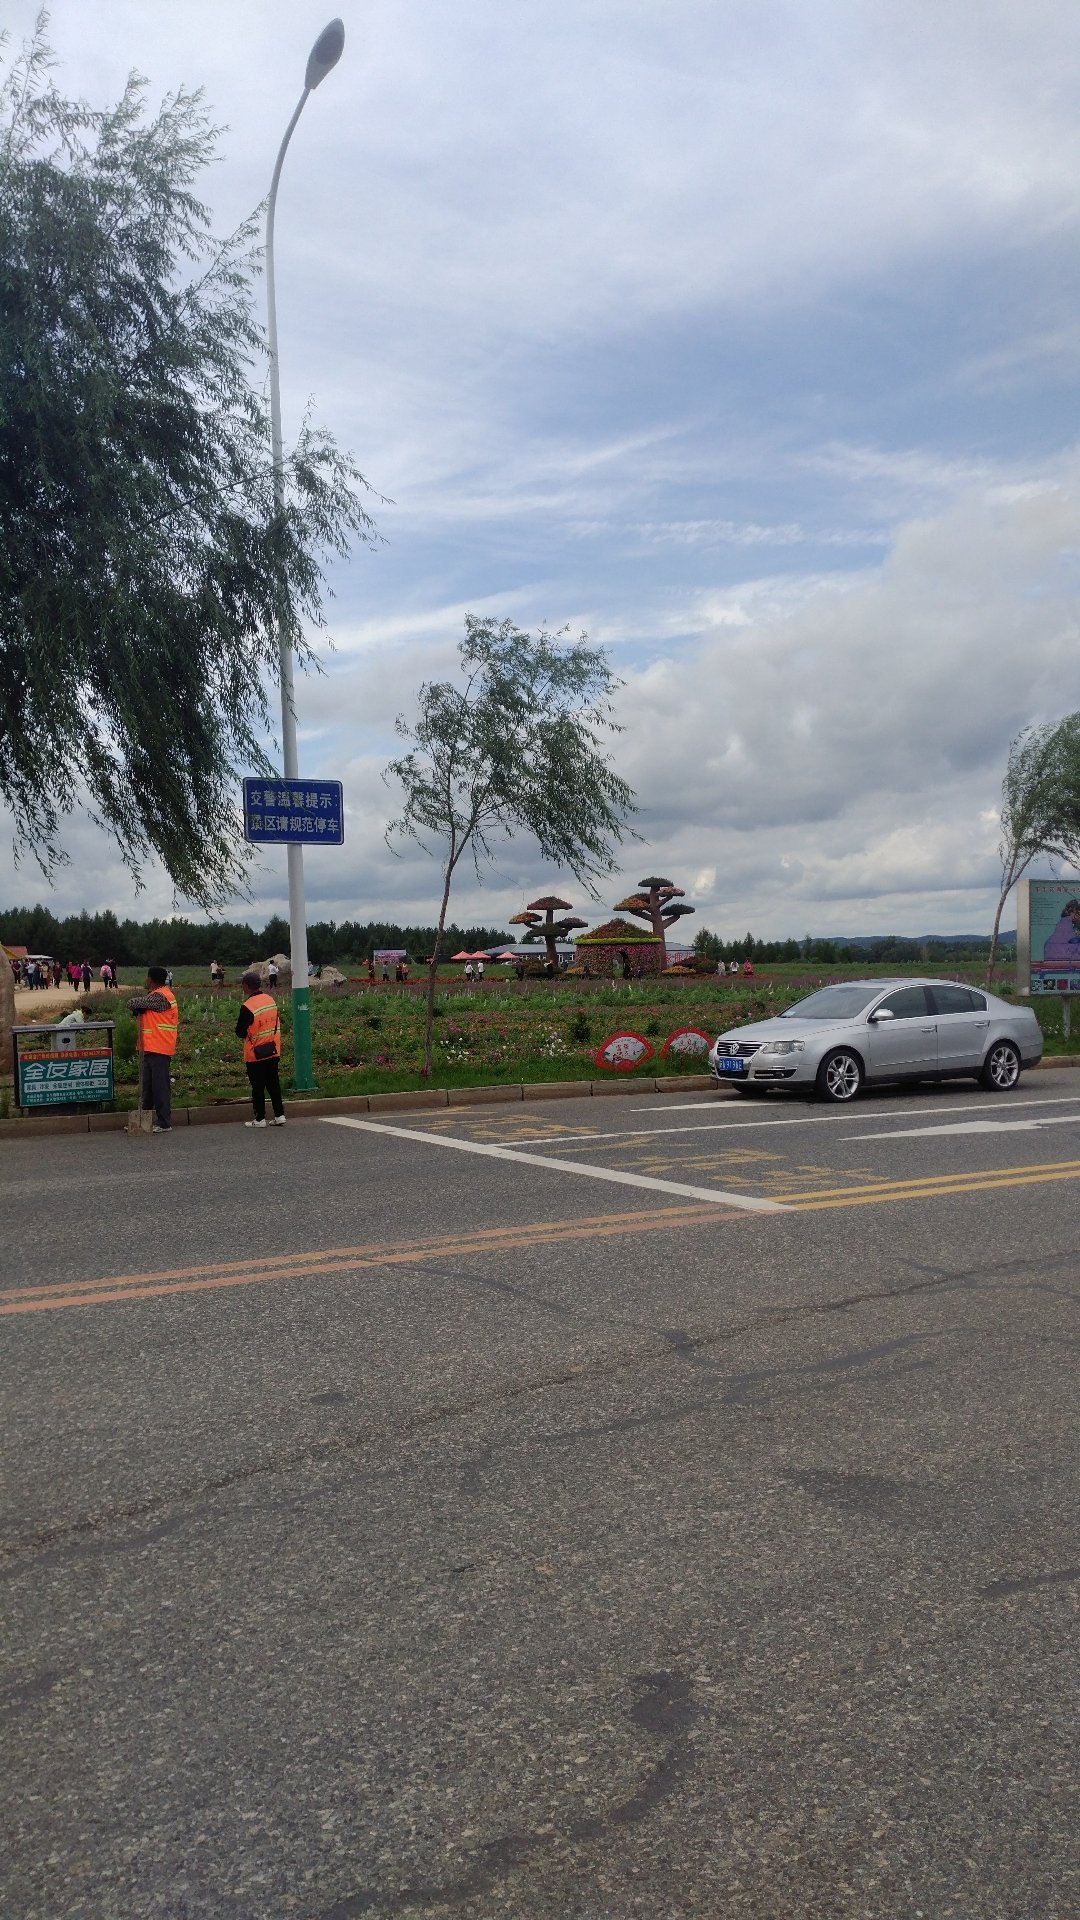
x=1048 y=936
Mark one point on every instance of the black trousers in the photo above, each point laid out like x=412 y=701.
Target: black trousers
x=263 y=1075
x=156 y=1091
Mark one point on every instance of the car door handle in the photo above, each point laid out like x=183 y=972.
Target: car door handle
x=929 y=1029
x=981 y=1023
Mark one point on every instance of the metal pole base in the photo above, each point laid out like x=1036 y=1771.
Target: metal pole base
x=303 y=1061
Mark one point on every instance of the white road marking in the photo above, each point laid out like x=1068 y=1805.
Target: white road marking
x=707 y=1102
x=807 y=1120
x=747 y=1203
x=973 y=1126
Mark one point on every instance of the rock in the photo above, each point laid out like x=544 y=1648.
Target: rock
x=262 y=968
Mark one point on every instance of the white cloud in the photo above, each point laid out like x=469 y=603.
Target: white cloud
x=527 y=259
x=834 y=760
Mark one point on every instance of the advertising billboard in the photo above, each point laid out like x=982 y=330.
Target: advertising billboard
x=1048 y=936
x=68 y=1077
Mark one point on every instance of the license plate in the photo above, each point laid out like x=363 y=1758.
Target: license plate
x=731 y=1066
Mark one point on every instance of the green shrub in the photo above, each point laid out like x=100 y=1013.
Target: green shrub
x=125 y=1043
x=100 y=1005
x=579 y=1028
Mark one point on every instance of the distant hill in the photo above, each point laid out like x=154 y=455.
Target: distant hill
x=980 y=940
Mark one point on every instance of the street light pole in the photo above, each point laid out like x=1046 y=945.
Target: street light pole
x=324 y=56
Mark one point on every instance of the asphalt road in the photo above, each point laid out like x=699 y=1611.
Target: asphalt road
x=672 y=1511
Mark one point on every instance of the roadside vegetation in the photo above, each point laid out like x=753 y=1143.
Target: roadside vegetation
x=371 y=1039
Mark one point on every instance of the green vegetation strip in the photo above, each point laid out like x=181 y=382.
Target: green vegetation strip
x=370 y=1040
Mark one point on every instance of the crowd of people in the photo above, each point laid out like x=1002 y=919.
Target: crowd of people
x=38 y=972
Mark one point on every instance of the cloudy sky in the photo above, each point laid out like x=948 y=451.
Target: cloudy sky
x=744 y=334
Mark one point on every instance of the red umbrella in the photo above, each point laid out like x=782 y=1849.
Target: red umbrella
x=463 y=956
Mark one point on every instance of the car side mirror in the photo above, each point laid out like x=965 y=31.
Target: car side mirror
x=883 y=1013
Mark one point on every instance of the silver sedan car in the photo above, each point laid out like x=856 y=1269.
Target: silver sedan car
x=863 y=1032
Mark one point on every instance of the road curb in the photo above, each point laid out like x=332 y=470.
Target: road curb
x=418 y=1100
x=421 y=1098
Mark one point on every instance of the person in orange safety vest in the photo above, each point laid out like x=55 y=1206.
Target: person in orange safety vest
x=159 y=1024
x=259 y=1027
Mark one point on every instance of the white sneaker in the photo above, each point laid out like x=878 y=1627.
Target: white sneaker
x=279 y=1119
x=254 y=1123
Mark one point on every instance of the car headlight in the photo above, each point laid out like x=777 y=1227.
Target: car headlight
x=783 y=1046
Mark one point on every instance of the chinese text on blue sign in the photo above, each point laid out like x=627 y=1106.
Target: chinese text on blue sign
x=280 y=812
x=62 y=1079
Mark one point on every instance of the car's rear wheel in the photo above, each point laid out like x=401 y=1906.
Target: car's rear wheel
x=1001 y=1068
x=840 y=1076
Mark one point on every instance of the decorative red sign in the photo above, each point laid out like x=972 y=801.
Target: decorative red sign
x=686 y=1040
x=622 y=1052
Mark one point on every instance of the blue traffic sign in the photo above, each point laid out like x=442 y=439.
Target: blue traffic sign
x=287 y=812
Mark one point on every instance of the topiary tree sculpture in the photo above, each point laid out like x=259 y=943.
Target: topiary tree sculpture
x=660 y=903
x=540 y=917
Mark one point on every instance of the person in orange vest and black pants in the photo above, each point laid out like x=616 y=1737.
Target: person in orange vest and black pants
x=259 y=1027
x=159 y=1024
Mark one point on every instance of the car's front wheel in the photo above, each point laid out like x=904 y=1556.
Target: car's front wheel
x=1001 y=1068
x=840 y=1076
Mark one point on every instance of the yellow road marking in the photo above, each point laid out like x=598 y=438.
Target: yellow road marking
x=979 y=1181
x=314 y=1264
x=942 y=1179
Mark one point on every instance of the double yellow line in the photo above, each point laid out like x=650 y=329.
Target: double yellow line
x=930 y=1188
x=313 y=1264
x=316 y=1263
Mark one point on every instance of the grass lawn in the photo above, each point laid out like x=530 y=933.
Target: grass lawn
x=370 y=1040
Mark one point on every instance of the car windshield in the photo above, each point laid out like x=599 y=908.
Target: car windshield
x=833 y=1003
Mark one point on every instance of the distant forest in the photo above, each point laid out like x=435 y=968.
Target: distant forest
x=187 y=943
x=890 y=949
x=179 y=942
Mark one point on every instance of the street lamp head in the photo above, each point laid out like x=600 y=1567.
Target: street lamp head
x=324 y=55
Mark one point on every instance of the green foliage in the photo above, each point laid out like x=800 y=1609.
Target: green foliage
x=1040 y=805
x=185 y=943
x=144 y=570
x=277 y=938
x=99 y=936
x=516 y=744
x=707 y=946
x=580 y=1028
x=1040 y=811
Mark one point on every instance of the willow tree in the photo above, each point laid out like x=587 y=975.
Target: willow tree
x=514 y=744
x=145 y=572
x=1040 y=807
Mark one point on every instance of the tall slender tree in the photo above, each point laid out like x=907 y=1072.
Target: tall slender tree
x=514 y=744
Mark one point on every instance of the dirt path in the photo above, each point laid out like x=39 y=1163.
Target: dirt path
x=32 y=1002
